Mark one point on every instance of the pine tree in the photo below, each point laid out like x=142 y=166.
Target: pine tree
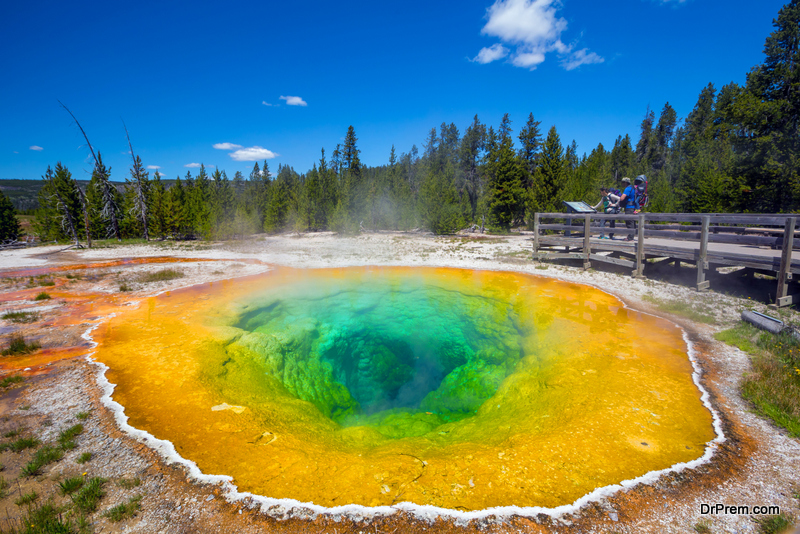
x=551 y=176
x=506 y=192
x=10 y=229
x=769 y=111
x=110 y=197
x=530 y=136
x=158 y=199
x=665 y=131
x=472 y=146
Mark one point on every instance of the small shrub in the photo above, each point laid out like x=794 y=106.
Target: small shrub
x=21 y=317
x=44 y=456
x=17 y=345
x=82 y=416
x=83 y=458
x=47 y=283
x=42 y=296
x=164 y=275
x=7 y=381
x=71 y=485
x=124 y=287
x=87 y=498
x=4 y=485
x=703 y=526
x=127 y=483
x=124 y=510
x=27 y=498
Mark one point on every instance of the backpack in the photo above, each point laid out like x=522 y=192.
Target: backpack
x=642 y=199
x=617 y=192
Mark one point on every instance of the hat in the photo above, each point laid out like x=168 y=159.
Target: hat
x=626 y=180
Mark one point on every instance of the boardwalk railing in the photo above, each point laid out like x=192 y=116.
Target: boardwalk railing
x=746 y=240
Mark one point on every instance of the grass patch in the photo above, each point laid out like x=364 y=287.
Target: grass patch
x=71 y=485
x=18 y=345
x=684 y=309
x=44 y=456
x=42 y=296
x=4 y=485
x=21 y=317
x=45 y=519
x=774 y=524
x=66 y=437
x=82 y=416
x=703 y=526
x=89 y=496
x=163 y=275
x=124 y=287
x=21 y=444
x=83 y=458
x=773 y=385
x=127 y=483
x=13 y=433
x=27 y=498
x=124 y=510
x=9 y=380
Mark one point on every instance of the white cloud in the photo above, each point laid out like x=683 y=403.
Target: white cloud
x=253 y=153
x=192 y=165
x=15 y=152
x=266 y=103
x=226 y=146
x=534 y=28
x=491 y=53
x=294 y=101
x=153 y=167
x=36 y=148
x=532 y=22
x=580 y=57
x=528 y=60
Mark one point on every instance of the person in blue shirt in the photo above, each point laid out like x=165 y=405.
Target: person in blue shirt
x=627 y=202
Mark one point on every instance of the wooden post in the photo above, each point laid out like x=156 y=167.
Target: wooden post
x=639 y=272
x=535 y=236
x=587 y=233
x=702 y=263
x=785 y=274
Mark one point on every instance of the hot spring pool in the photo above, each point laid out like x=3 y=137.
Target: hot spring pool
x=374 y=386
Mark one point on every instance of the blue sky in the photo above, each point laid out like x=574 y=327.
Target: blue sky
x=285 y=79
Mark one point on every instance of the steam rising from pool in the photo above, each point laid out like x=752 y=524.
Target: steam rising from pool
x=458 y=389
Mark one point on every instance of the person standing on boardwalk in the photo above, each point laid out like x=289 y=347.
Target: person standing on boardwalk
x=627 y=202
x=609 y=203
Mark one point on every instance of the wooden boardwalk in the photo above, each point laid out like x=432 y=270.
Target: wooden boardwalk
x=761 y=243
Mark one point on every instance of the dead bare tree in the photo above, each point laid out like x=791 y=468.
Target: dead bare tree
x=110 y=207
x=140 y=202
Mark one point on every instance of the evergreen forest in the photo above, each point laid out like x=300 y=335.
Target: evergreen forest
x=738 y=150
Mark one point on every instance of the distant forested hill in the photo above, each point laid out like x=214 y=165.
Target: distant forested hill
x=24 y=193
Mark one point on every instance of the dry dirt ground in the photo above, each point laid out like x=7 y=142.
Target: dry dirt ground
x=757 y=464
